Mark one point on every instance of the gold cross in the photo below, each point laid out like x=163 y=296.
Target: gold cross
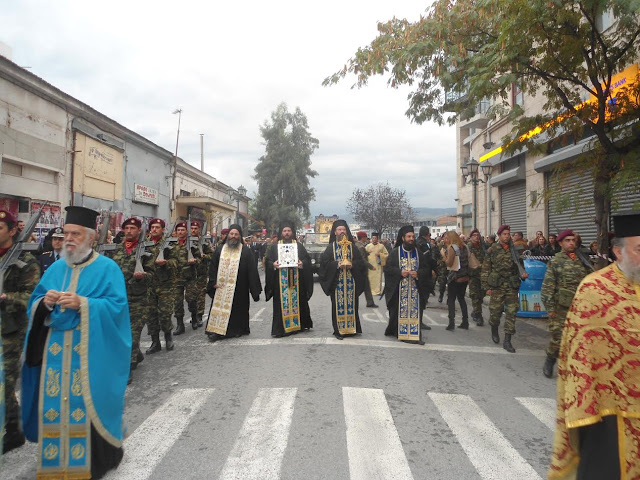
x=344 y=244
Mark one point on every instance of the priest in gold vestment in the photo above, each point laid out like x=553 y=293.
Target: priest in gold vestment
x=377 y=257
x=598 y=414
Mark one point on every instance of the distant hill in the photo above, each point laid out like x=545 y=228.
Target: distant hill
x=420 y=213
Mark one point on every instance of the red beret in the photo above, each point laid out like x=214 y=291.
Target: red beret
x=195 y=223
x=132 y=221
x=181 y=224
x=475 y=230
x=224 y=231
x=7 y=217
x=361 y=234
x=565 y=233
x=157 y=220
x=503 y=228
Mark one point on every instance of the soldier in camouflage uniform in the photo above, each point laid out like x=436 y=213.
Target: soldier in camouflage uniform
x=202 y=270
x=186 y=277
x=476 y=292
x=19 y=283
x=500 y=277
x=137 y=284
x=161 y=292
x=565 y=271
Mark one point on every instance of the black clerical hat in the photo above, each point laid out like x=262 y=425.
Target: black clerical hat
x=82 y=216
x=626 y=224
x=402 y=232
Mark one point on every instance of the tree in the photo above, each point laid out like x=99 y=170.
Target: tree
x=380 y=207
x=283 y=173
x=462 y=52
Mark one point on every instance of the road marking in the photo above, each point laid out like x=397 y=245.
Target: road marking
x=373 y=444
x=371 y=317
x=149 y=443
x=362 y=342
x=488 y=450
x=383 y=318
x=544 y=409
x=431 y=321
x=259 y=449
x=255 y=317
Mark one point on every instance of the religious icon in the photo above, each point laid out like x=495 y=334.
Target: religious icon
x=288 y=255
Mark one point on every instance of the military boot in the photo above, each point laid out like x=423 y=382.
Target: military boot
x=168 y=341
x=155 y=344
x=547 y=369
x=465 y=324
x=194 y=320
x=452 y=325
x=13 y=437
x=139 y=355
x=180 y=326
x=441 y=297
x=480 y=320
x=200 y=322
x=507 y=343
x=495 y=334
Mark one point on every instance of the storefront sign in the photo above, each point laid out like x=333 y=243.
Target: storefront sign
x=145 y=194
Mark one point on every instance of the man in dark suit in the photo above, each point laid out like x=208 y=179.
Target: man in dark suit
x=47 y=258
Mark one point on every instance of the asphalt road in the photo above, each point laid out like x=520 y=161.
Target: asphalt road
x=312 y=407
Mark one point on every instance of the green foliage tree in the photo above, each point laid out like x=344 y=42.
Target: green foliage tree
x=380 y=207
x=283 y=173
x=461 y=52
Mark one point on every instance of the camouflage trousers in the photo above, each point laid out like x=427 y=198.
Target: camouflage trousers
x=139 y=312
x=476 y=293
x=201 y=284
x=556 y=325
x=504 y=299
x=12 y=346
x=442 y=280
x=185 y=290
x=161 y=301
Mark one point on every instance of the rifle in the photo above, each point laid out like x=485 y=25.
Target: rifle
x=165 y=242
x=190 y=238
x=583 y=258
x=202 y=238
x=140 y=250
x=516 y=258
x=12 y=257
x=102 y=245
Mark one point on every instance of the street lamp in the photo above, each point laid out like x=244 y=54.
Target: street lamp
x=241 y=193
x=470 y=174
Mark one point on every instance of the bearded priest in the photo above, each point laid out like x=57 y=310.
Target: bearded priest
x=342 y=277
x=233 y=276
x=290 y=287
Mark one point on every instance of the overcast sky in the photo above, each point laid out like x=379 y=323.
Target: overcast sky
x=228 y=65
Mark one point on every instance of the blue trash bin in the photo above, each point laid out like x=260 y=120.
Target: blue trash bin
x=530 y=300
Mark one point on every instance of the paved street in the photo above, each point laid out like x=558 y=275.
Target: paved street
x=313 y=407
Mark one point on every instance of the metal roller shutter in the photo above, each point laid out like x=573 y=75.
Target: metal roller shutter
x=626 y=199
x=513 y=206
x=574 y=198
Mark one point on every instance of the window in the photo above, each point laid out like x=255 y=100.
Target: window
x=184 y=193
x=10 y=168
x=604 y=20
x=467 y=218
x=518 y=96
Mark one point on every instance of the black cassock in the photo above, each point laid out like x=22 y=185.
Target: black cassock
x=392 y=277
x=272 y=289
x=328 y=273
x=247 y=281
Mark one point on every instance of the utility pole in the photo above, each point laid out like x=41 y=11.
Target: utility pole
x=202 y=152
x=175 y=166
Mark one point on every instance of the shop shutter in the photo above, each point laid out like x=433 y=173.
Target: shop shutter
x=575 y=198
x=513 y=206
x=626 y=199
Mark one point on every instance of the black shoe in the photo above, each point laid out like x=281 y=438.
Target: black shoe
x=140 y=356
x=194 y=321
x=440 y=298
x=479 y=321
x=495 y=335
x=338 y=336
x=213 y=337
x=155 y=345
x=373 y=305
x=421 y=342
x=200 y=322
x=547 y=369
x=507 y=343
x=424 y=326
x=451 y=327
x=464 y=325
x=180 y=327
x=168 y=339
x=13 y=437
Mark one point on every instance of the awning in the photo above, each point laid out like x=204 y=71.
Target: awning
x=206 y=203
x=548 y=162
x=510 y=176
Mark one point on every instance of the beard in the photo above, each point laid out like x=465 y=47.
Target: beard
x=233 y=242
x=631 y=271
x=340 y=237
x=408 y=246
x=80 y=253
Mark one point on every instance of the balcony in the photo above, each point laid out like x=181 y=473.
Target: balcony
x=454 y=99
x=479 y=118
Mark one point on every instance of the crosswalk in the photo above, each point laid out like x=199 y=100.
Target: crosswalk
x=374 y=445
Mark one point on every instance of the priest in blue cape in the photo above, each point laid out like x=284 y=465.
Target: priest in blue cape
x=407 y=277
x=291 y=287
x=342 y=274
x=76 y=360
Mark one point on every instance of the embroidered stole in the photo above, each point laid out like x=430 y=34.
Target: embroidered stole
x=289 y=283
x=408 y=298
x=345 y=293
x=64 y=431
x=226 y=280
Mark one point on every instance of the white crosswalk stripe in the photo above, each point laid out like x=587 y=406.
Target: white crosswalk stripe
x=544 y=409
x=488 y=450
x=373 y=444
x=148 y=444
x=259 y=449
